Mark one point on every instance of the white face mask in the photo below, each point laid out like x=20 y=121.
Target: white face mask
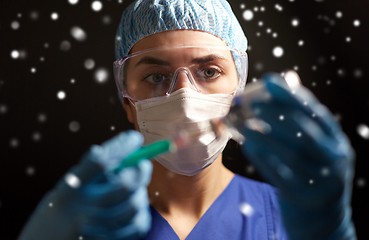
x=185 y=109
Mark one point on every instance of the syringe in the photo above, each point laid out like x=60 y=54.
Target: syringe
x=154 y=149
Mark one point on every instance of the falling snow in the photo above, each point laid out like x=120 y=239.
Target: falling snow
x=15 y=25
x=72 y=180
x=65 y=45
x=30 y=171
x=341 y=72
x=34 y=15
x=3 y=109
x=106 y=19
x=358 y=73
x=363 y=131
x=338 y=14
x=89 y=64
x=248 y=15
x=356 y=23
x=42 y=117
x=14 y=143
x=73 y=2
x=361 y=182
x=14 y=54
x=259 y=66
x=325 y=172
x=295 y=22
x=278 y=52
x=78 y=33
x=101 y=75
x=61 y=95
x=74 y=126
x=96 y=6
x=250 y=169
x=36 y=136
x=246 y=209
x=278 y=7
x=54 y=16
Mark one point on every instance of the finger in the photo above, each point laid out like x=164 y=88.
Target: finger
x=134 y=177
x=299 y=131
x=104 y=194
x=116 y=149
x=284 y=155
x=101 y=158
x=330 y=148
x=111 y=217
x=284 y=127
x=302 y=186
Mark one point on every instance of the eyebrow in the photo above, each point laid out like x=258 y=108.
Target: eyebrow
x=208 y=58
x=152 y=60
x=200 y=60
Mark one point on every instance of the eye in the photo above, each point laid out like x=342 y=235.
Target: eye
x=156 y=78
x=211 y=72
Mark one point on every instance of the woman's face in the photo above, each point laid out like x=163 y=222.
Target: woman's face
x=138 y=84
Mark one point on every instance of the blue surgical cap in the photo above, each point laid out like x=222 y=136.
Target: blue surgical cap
x=146 y=17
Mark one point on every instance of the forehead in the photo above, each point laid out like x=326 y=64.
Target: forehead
x=177 y=37
x=179 y=55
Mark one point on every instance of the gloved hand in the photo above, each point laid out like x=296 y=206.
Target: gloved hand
x=308 y=158
x=89 y=204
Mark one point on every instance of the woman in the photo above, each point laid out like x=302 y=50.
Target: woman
x=179 y=65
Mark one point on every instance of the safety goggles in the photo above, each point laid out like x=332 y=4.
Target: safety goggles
x=158 y=72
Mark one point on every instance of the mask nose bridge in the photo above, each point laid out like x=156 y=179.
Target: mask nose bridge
x=189 y=77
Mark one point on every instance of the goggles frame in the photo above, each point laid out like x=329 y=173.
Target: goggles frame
x=241 y=65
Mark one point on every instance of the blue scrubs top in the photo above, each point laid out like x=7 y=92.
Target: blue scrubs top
x=224 y=219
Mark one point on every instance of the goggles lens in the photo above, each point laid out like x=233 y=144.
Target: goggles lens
x=158 y=72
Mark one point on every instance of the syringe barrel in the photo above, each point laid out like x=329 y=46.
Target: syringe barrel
x=241 y=111
x=241 y=114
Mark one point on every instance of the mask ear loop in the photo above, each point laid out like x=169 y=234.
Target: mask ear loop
x=133 y=104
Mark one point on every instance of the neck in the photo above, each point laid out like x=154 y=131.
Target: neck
x=174 y=194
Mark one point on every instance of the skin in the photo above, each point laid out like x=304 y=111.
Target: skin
x=180 y=199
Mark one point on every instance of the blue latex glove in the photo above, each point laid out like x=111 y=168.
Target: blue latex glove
x=308 y=158
x=96 y=205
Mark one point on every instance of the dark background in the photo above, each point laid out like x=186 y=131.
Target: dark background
x=42 y=136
